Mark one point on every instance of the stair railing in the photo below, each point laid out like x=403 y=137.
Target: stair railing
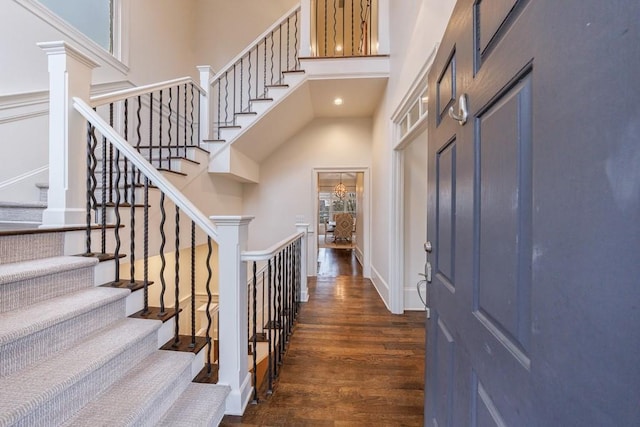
x=248 y=77
x=179 y=221
x=276 y=286
x=162 y=121
x=344 y=28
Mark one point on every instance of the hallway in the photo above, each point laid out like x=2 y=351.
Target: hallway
x=350 y=362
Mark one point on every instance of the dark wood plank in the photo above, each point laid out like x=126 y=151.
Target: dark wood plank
x=349 y=362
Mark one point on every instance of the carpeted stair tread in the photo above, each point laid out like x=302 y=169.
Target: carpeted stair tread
x=33 y=391
x=139 y=398
x=26 y=270
x=199 y=405
x=36 y=317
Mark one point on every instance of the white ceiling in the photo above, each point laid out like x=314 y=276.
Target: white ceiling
x=313 y=98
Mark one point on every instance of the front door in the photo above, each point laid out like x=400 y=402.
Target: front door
x=534 y=215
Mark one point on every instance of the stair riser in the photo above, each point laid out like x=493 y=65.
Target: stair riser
x=245 y=120
x=24 y=292
x=66 y=403
x=229 y=134
x=260 y=106
x=26 y=214
x=44 y=343
x=30 y=246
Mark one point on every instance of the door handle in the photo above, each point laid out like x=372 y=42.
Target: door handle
x=463 y=112
x=427 y=246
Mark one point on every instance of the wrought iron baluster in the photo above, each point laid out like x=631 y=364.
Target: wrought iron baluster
x=219 y=99
x=193 y=285
x=145 y=245
x=271 y=348
x=264 y=83
x=160 y=120
x=271 y=59
x=163 y=262
x=226 y=97
x=280 y=308
x=255 y=335
x=110 y=163
x=138 y=137
x=90 y=188
x=116 y=251
x=186 y=95
x=249 y=82
x=132 y=223
x=176 y=336
x=335 y=26
x=103 y=198
x=233 y=108
x=170 y=122
x=288 y=45
x=191 y=115
x=295 y=46
x=208 y=310
x=325 y=28
x=125 y=166
x=177 y=120
x=279 y=53
x=150 y=158
x=241 y=83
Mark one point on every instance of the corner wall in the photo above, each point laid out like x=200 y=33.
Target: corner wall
x=415 y=29
x=329 y=143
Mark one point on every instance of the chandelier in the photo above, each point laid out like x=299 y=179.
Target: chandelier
x=340 y=190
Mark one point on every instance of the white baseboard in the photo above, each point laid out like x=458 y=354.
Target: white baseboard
x=381 y=286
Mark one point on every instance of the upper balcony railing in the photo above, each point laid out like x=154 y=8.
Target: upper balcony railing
x=344 y=28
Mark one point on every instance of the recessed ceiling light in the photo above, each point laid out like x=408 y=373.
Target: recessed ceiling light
x=337 y=101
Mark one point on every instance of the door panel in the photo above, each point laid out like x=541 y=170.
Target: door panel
x=503 y=182
x=534 y=213
x=445 y=170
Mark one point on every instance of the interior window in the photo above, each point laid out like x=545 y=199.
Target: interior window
x=94 y=18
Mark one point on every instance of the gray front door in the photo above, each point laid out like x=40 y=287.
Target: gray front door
x=534 y=216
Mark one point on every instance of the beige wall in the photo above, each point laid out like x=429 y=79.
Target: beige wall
x=223 y=28
x=286 y=187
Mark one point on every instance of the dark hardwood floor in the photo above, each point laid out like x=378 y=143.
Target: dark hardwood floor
x=350 y=362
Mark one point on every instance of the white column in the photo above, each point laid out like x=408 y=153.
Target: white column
x=69 y=76
x=305 y=29
x=233 y=299
x=304 y=290
x=206 y=72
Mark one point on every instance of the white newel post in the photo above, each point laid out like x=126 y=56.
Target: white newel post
x=233 y=300
x=69 y=76
x=305 y=29
x=206 y=72
x=304 y=250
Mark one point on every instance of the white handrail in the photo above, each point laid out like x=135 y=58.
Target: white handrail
x=120 y=95
x=253 y=44
x=266 y=254
x=146 y=168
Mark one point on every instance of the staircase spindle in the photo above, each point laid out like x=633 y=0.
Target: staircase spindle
x=150 y=158
x=193 y=285
x=110 y=161
x=125 y=165
x=89 y=190
x=270 y=328
x=191 y=117
x=145 y=245
x=176 y=336
x=132 y=222
x=163 y=262
x=209 y=299
x=254 y=339
x=116 y=251
x=241 y=83
x=103 y=198
x=186 y=95
x=160 y=120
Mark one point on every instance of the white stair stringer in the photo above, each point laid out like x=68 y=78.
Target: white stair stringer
x=227 y=160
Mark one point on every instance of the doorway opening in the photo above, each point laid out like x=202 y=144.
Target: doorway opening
x=339 y=222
